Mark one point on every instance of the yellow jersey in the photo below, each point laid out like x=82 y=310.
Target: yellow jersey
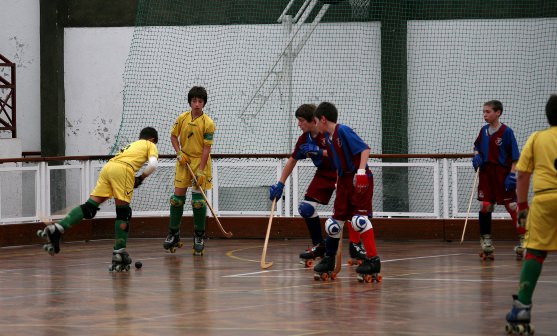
x=136 y=154
x=193 y=134
x=539 y=156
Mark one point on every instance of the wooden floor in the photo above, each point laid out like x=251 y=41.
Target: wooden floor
x=428 y=288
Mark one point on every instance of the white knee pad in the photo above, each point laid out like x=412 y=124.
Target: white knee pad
x=361 y=224
x=333 y=227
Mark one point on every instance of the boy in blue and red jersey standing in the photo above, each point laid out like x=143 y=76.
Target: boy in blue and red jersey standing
x=354 y=196
x=311 y=144
x=495 y=155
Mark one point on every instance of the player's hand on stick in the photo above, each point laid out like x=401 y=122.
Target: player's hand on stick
x=182 y=158
x=510 y=181
x=200 y=178
x=275 y=192
x=138 y=181
x=477 y=162
x=361 y=181
x=522 y=214
x=309 y=149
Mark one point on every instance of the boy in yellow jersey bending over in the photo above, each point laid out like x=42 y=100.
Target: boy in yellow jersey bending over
x=117 y=180
x=192 y=138
x=538 y=158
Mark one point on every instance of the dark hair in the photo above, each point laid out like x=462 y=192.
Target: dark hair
x=149 y=133
x=197 y=92
x=306 y=111
x=328 y=110
x=495 y=105
x=551 y=110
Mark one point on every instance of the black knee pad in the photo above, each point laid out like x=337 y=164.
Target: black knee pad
x=89 y=210
x=124 y=213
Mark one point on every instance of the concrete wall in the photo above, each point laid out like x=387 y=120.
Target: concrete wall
x=20 y=43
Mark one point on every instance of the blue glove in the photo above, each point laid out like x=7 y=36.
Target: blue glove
x=510 y=182
x=477 y=161
x=299 y=155
x=276 y=191
x=311 y=149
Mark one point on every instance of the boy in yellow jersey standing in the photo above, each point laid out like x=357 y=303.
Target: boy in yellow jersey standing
x=192 y=138
x=117 y=180
x=538 y=158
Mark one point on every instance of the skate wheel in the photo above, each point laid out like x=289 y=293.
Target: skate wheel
x=41 y=233
x=333 y=276
x=368 y=278
x=359 y=262
x=324 y=276
x=316 y=277
x=378 y=278
x=180 y=244
x=350 y=262
x=520 y=329
x=172 y=250
x=360 y=278
x=309 y=263
x=127 y=268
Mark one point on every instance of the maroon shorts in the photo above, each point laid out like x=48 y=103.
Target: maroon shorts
x=322 y=186
x=491 y=187
x=348 y=202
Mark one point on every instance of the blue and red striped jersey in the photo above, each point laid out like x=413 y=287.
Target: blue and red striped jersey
x=499 y=147
x=345 y=148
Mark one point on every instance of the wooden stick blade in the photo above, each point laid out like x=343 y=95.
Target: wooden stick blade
x=264 y=264
x=469 y=205
x=226 y=234
x=338 y=258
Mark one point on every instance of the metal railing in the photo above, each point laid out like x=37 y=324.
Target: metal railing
x=35 y=189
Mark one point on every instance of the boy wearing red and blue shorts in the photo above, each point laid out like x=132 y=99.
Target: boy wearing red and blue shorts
x=495 y=155
x=354 y=190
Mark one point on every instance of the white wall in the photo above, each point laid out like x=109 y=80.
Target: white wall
x=94 y=60
x=20 y=43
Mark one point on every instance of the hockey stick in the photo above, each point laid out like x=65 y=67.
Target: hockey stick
x=338 y=258
x=227 y=234
x=265 y=265
x=469 y=204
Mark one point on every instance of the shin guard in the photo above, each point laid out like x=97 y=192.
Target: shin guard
x=485 y=223
x=199 y=211
x=314 y=227
x=531 y=270
x=122 y=226
x=176 y=212
x=368 y=238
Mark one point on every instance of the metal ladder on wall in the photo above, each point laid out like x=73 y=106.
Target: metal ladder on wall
x=267 y=84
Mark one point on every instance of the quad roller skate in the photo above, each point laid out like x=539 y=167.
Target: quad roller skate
x=324 y=270
x=53 y=234
x=121 y=261
x=519 y=250
x=487 y=248
x=369 y=270
x=308 y=257
x=518 y=319
x=357 y=254
x=172 y=242
x=198 y=243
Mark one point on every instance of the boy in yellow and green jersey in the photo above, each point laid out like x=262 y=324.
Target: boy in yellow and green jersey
x=538 y=159
x=117 y=180
x=192 y=138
